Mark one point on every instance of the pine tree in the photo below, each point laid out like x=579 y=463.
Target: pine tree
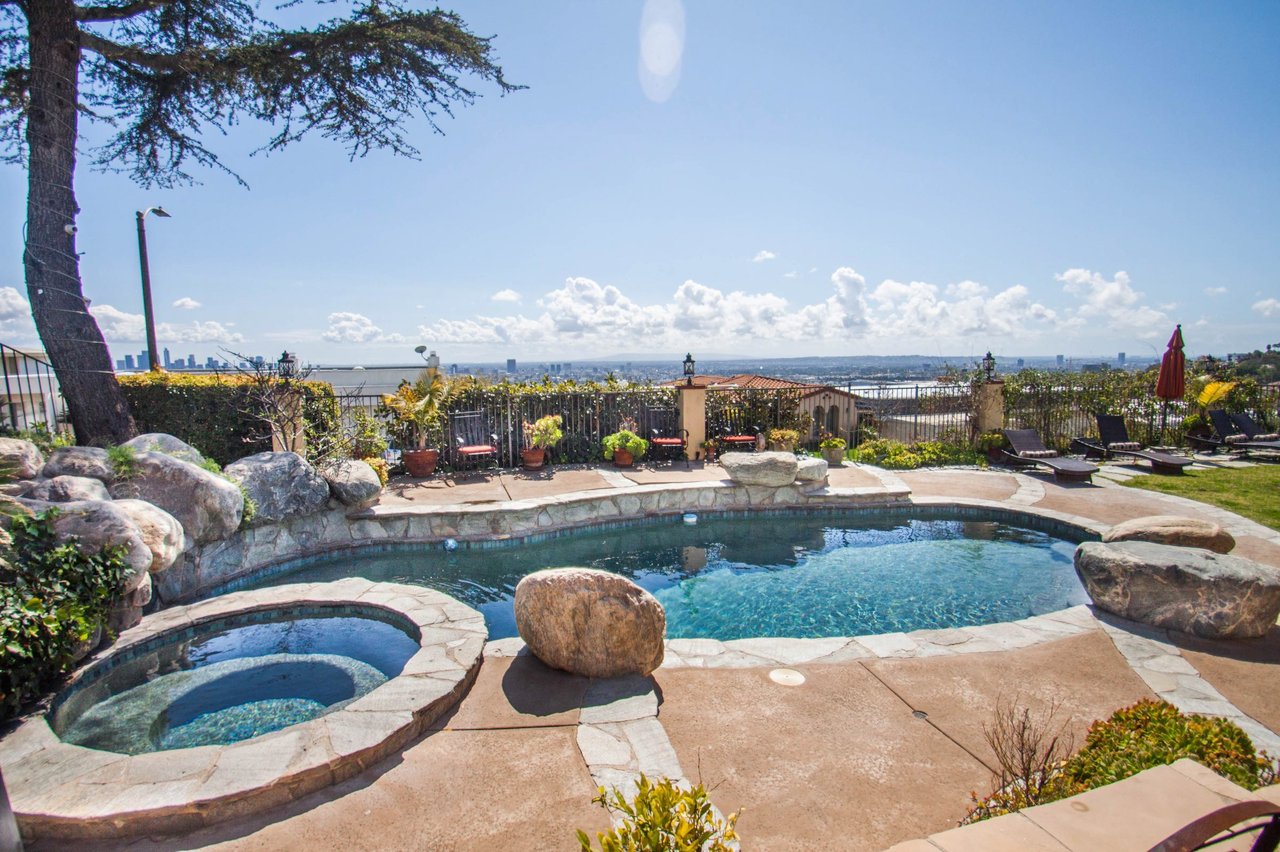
x=163 y=72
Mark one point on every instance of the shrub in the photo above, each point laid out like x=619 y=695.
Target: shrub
x=52 y=599
x=625 y=440
x=895 y=455
x=543 y=432
x=663 y=818
x=380 y=467
x=783 y=437
x=1146 y=735
x=831 y=442
x=367 y=440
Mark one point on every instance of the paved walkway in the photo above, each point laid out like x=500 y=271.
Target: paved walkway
x=855 y=743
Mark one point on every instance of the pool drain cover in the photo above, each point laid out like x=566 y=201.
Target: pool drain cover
x=786 y=677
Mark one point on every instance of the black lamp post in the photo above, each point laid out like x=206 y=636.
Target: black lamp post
x=688 y=369
x=989 y=365
x=287 y=365
x=147 y=315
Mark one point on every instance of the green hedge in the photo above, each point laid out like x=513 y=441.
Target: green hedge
x=220 y=415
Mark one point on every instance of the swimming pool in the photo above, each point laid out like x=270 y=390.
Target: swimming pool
x=785 y=574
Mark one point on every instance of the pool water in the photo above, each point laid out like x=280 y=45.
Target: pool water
x=781 y=575
x=232 y=683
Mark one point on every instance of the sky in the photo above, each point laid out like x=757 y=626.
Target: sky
x=742 y=178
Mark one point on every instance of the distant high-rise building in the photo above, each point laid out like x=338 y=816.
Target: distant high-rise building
x=453 y=369
x=1022 y=362
x=167 y=363
x=191 y=361
x=128 y=362
x=119 y=364
x=144 y=361
x=1120 y=359
x=511 y=365
x=1061 y=360
x=211 y=363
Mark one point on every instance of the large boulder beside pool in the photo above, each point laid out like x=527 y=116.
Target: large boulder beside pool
x=1175 y=530
x=62 y=489
x=101 y=523
x=811 y=470
x=282 y=485
x=208 y=506
x=353 y=482
x=591 y=623
x=91 y=462
x=160 y=531
x=159 y=442
x=22 y=459
x=1181 y=588
x=769 y=468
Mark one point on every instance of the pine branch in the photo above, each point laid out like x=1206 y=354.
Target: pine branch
x=117 y=12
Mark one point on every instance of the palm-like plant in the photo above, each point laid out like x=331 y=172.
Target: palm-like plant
x=420 y=407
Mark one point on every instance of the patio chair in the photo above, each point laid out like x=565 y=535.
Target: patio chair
x=1028 y=449
x=1232 y=438
x=666 y=438
x=1251 y=429
x=472 y=440
x=1113 y=440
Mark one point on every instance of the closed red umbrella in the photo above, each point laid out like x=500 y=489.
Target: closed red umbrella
x=1171 y=383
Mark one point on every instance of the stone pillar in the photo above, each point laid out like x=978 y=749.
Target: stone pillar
x=988 y=406
x=693 y=417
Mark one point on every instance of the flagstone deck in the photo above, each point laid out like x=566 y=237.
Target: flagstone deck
x=880 y=744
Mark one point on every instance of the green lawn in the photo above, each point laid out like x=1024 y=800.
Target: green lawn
x=1253 y=492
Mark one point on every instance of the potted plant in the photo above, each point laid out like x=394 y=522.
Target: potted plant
x=709 y=449
x=538 y=436
x=416 y=412
x=992 y=443
x=624 y=447
x=783 y=439
x=832 y=449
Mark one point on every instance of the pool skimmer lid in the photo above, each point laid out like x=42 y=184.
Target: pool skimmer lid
x=786 y=677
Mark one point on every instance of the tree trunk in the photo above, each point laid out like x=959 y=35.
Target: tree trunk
x=70 y=335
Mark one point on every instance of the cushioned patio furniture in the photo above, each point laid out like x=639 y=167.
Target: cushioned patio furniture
x=1251 y=429
x=1028 y=449
x=472 y=442
x=1113 y=440
x=666 y=439
x=740 y=440
x=1232 y=438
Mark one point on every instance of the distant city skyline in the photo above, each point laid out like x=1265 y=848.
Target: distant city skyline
x=836 y=178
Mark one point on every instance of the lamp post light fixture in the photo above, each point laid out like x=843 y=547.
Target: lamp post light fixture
x=433 y=360
x=989 y=365
x=688 y=369
x=147 y=315
x=287 y=366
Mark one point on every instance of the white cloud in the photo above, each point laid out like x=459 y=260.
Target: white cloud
x=347 y=327
x=1267 y=307
x=1112 y=303
x=762 y=256
x=121 y=326
x=506 y=296
x=15 y=315
x=1214 y=291
x=918 y=310
x=791 y=274
x=186 y=303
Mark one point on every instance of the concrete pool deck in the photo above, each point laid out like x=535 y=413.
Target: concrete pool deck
x=881 y=743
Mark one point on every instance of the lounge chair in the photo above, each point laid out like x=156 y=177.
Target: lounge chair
x=1113 y=440
x=1232 y=438
x=1251 y=430
x=666 y=438
x=473 y=442
x=1028 y=449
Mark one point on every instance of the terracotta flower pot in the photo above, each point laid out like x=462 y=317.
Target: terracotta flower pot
x=533 y=457
x=420 y=463
x=834 y=456
x=622 y=458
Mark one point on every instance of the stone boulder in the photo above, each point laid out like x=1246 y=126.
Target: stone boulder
x=91 y=462
x=353 y=482
x=1171 y=529
x=811 y=470
x=590 y=622
x=160 y=531
x=23 y=458
x=101 y=523
x=62 y=489
x=208 y=506
x=282 y=485
x=159 y=442
x=1187 y=589
x=774 y=469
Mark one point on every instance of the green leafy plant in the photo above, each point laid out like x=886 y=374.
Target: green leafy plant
x=662 y=817
x=895 y=455
x=250 y=507
x=380 y=467
x=783 y=437
x=626 y=440
x=53 y=597
x=831 y=442
x=211 y=466
x=543 y=432
x=1145 y=735
x=418 y=410
x=123 y=461
x=989 y=441
x=367 y=440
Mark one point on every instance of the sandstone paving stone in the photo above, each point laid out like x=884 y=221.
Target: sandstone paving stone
x=889 y=644
x=601 y=747
x=619 y=699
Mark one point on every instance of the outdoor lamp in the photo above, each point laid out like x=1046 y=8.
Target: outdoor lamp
x=989 y=365
x=688 y=369
x=288 y=365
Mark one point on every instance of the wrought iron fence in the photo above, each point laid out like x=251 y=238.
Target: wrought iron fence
x=913 y=413
x=1062 y=411
x=32 y=396
x=737 y=411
